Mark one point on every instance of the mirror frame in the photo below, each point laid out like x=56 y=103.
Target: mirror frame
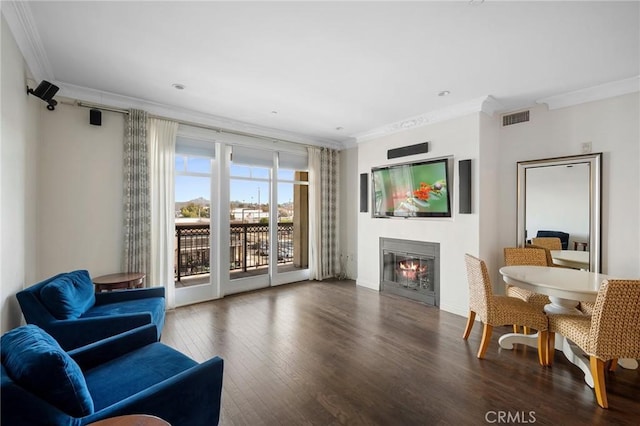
x=595 y=200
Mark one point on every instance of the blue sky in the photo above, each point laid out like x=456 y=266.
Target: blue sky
x=192 y=187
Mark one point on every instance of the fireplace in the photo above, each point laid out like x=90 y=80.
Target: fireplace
x=410 y=269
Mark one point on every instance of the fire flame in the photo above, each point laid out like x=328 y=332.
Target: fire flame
x=411 y=269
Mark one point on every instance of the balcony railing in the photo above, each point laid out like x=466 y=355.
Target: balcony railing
x=249 y=247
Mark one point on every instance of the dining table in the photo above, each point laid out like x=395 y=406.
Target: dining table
x=566 y=288
x=571 y=258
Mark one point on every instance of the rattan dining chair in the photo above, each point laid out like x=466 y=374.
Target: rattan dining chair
x=612 y=332
x=525 y=256
x=552 y=243
x=547 y=253
x=499 y=310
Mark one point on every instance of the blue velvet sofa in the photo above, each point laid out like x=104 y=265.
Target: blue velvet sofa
x=67 y=308
x=126 y=374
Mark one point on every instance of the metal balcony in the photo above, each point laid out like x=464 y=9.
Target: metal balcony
x=249 y=247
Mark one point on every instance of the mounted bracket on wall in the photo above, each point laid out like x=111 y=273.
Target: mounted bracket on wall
x=45 y=91
x=419 y=148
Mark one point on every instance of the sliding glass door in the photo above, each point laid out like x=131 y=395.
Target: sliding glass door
x=241 y=219
x=268 y=240
x=249 y=220
x=195 y=221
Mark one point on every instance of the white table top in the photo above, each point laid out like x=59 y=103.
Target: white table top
x=571 y=258
x=564 y=283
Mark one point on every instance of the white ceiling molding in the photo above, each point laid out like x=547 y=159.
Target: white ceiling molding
x=20 y=20
x=491 y=105
x=487 y=104
x=595 y=93
x=188 y=116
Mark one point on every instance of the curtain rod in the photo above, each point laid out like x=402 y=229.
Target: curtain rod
x=191 y=123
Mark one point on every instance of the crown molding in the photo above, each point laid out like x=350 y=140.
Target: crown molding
x=350 y=143
x=187 y=116
x=20 y=20
x=487 y=104
x=595 y=93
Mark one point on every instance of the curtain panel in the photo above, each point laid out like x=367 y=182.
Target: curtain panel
x=162 y=143
x=137 y=213
x=323 y=213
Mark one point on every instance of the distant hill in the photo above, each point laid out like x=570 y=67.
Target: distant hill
x=198 y=202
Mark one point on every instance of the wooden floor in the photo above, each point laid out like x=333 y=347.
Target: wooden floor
x=330 y=353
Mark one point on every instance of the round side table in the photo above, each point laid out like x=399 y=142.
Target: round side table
x=123 y=280
x=132 y=420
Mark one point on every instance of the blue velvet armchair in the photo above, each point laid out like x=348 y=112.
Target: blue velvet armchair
x=69 y=310
x=130 y=373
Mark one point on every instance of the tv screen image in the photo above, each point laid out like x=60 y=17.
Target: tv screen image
x=412 y=190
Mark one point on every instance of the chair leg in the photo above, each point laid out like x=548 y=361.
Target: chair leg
x=486 y=337
x=515 y=328
x=543 y=347
x=470 y=320
x=613 y=365
x=597 y=371
x=551 y=347
x=525 y=330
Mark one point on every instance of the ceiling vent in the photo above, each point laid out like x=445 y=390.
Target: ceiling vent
x=515 y=118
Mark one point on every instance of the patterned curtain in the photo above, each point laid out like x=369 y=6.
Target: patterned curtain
x=137 y=212
x=323 y=213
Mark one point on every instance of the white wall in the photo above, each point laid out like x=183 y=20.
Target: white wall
x=612 y=126
x=18 y=167
x=349 y=208
x=80 y=190
x=487 y=199
x=457 y=235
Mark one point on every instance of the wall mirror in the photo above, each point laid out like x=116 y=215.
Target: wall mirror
x=559 y=196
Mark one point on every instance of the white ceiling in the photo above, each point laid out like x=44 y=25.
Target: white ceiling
x=353 y=65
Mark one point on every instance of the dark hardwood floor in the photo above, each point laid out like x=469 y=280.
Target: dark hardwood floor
x=329 y=353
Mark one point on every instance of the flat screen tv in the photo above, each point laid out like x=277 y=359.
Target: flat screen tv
x=419 y=189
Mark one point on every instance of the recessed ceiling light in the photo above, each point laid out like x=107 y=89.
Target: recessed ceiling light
x=274 y=112
x=178 y=86
x=444 y=93
x=339 y=128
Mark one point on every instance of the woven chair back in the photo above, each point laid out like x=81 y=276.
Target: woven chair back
x=547 y=253
x=480 y=290
x=615 y=322
x=525 y=256
x=552 y=243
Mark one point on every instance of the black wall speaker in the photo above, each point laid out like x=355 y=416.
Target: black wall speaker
x=45 y=91
x=95 y=117
x=419 y=148
x=364 y=192
x=464 y=174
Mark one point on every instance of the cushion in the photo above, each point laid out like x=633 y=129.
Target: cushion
x=153 y=305
x=69 y=295
x=35 y=361
x=135 y=372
